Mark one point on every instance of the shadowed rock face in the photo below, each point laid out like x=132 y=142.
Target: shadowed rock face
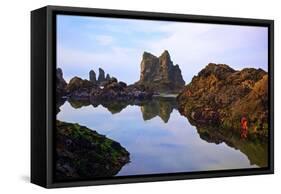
x=82 y=153
x=160 y=74
x=221 y=96
x=61 y=83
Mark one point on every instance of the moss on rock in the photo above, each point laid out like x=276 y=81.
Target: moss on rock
x=82 y=153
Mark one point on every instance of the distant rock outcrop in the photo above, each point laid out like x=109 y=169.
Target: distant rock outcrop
x=101 y=77
x=220 y=95
x=92 y=77
x=159 y=73
x=107 y=78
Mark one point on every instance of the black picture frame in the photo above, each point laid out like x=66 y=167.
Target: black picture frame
x=43 y=72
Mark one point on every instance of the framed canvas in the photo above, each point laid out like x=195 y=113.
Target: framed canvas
x=126 y=96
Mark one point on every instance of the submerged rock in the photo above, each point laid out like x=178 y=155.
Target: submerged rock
x=82 y=153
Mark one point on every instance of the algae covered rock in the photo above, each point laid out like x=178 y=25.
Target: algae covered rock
x=82 y=153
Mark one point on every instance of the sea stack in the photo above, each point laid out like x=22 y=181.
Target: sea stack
x=101 y=77
x=160 y=74
x=92 y=76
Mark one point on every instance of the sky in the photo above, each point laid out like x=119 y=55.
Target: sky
x=116 y=45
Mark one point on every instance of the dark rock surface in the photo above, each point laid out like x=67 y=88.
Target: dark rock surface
x=160 y=74
x=92 y=77
x=101 y=77
x=107 y=78
x=79 y=88
x=82 y=153
x=61 y=83
x=111 y=90
x=119 y=91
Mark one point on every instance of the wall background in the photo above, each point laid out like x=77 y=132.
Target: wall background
x=15 y=94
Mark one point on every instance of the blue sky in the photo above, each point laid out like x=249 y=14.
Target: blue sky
x=117 y=45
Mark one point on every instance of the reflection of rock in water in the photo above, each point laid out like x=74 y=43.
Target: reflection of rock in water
x=159 y=106
x=78 y=103
x=59 y=102
x=254 y=148
x=114 y=107
x=220 y=96
x=82 y=153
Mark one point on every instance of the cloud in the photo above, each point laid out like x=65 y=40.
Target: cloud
x=193 y=46
x=117 y=45
x=117 y=61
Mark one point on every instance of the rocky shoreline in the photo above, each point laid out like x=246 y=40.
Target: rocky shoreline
x=221 y=96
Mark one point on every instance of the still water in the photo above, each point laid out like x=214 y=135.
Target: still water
x=158 y=138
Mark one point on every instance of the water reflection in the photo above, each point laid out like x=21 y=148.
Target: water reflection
x=160 y=140
x=158 y=106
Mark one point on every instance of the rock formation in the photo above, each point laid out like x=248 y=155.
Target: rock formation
x=220 y=95
x=107 y=77
x=82 y=153
x=101 y=77
x=61 y=83
x=160 y=74
x=112 y=90
x=92 y=77
x=79 y=88
x=119 y=91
